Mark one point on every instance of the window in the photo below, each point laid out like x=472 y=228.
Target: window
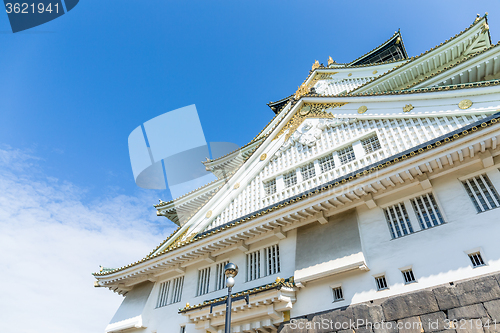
x=177 y=289
x=253 y=265
x=272 y=255
x=163 y=295
x=269 y=265
x=381 y=282
x=370 y=144
x=398 y=220
x=308 y=171
x=346 y=155
x=170 y=292
x=220 y=282
x=476 y=259
x=338 y=294
x=408 y=276
x=203 y=281
x=290 y=179
x=270 y=187
x=427 y=211
x=183 y=329
x=326 y=163
x=482 y=193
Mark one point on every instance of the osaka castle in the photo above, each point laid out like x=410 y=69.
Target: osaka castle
x=370 y=198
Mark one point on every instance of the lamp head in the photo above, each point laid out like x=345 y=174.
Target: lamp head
x=230 y=270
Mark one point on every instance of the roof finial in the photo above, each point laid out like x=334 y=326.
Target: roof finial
x=315 y=65
x=330 y=61
x=478 y=17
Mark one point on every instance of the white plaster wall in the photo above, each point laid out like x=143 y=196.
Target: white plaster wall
x=436 y=255
x=167 y=320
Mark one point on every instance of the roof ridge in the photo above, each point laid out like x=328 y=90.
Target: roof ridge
x=419 y=56
x=396 y=34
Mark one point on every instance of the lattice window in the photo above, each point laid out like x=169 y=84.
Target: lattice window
x=482 y=193
x=203 y=281
x=177 y=285
x=326 y=163
x=163 y=294
x=253 y=265
x=398 y=220
x=408 y=276
x=338 y=294
x=370 y=144
x=476 y=259
x=170 y=292
x=270 y=187
x=272 y=257
x=427 y=211
x=308 y=171
x=381 y=282
x=346 y=155
x=290 y=179
x=220 y=282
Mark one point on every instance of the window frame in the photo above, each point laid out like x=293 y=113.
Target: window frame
x=412 y=215
x=263 y=264
x=493 y=192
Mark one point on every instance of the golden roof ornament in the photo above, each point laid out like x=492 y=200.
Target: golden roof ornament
x=330 y=61
x=398 y=40
x=408 y=108
x=465 y=104
x=485 y=28
x=478 y=17
x=301 y=91
x=315 y=65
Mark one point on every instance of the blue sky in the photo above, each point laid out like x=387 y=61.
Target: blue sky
x=72 y=90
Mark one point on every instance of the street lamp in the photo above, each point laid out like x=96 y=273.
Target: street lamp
x=230 y=270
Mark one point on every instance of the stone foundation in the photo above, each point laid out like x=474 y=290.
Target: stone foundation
x=470 y=306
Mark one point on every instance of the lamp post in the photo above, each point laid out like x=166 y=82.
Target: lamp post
x=230 y=270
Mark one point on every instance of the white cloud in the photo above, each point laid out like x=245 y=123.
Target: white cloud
x=50 y=242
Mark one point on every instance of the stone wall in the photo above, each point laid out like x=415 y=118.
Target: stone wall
x=471 y=306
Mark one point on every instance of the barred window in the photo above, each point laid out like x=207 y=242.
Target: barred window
x=308 y=171
x=170 y=292
x=290 y=179
x=346 y=155
x=253 y=265
x=338 y=294
x=398 y=220
x=203 y=281
x=326 y=163
x=427 y=211
x=163 y=295
x=482 y=193
x=381 y=282
x=177 y=285
x=476 y=259
x=408 y=276
x=370 y=144
x=270 y=187
x=272 y=257
x=220 y=282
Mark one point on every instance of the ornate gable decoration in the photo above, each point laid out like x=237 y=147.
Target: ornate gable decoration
x=311 y=131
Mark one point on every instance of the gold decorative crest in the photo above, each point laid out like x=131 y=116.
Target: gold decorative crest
x=408 y=108
x=308 y=110
x=374 y=72
x=330 y=61
x=350 y=74
x=263 y=157
x=209 y=213
x=362 y=109
x=236 y=186
x=465 y=104
x=315 y=65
